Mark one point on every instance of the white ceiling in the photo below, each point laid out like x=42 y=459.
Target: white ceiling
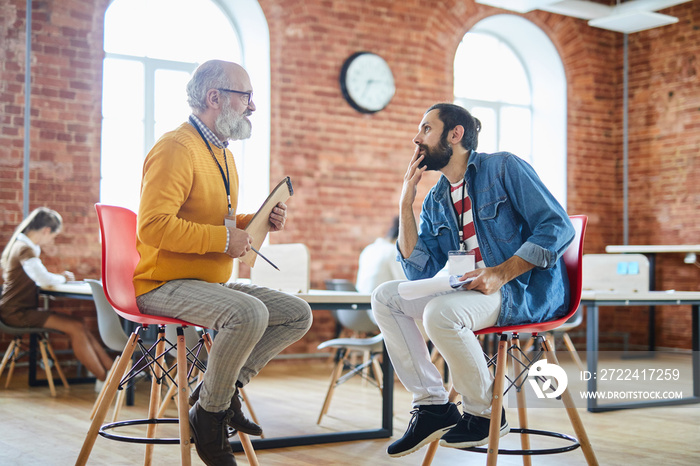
x=626 y=17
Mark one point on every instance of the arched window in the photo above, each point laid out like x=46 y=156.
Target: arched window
x=151 y=49
x=508 y=74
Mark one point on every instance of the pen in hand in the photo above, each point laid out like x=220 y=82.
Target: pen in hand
x=265 y=258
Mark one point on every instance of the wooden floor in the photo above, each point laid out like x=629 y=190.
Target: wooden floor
x=36 y=429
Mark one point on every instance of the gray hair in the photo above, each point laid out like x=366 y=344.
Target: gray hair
x=209 y=75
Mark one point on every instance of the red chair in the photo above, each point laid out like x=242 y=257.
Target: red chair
x=119 y=259
x=573 y=261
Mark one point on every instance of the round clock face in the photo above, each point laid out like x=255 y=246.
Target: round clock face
x=367 y=82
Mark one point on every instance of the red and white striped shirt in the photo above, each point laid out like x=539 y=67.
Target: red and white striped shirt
x=463 y=207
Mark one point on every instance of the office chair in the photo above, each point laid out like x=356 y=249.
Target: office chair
x=360 y=322
x=16 y=350
x=573 y=261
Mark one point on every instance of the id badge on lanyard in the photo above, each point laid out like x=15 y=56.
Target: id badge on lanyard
x=230 y=221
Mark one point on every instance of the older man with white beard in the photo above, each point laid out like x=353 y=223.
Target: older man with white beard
x=189 y=232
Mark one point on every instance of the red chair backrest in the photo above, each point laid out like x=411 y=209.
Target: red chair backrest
x=573 y=259
x=119 y=259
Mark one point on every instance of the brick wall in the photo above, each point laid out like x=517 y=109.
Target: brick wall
x=348 y=167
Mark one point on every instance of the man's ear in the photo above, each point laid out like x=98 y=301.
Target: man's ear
x=457 y=134
x=213 y=98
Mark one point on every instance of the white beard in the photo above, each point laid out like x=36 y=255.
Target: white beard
x=231 y=125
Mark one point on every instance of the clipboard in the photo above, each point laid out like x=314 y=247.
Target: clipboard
x=259 y=225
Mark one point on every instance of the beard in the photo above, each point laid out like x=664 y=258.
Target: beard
x=436 y=157
x=231 y=125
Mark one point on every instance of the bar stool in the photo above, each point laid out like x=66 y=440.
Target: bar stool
x=119 y=259
x=522 y=364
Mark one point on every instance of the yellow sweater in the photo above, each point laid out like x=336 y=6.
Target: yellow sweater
x=180 y=230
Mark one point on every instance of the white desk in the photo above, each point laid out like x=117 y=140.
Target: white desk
x=651 y=250
x=318 y=300
x=593 y=300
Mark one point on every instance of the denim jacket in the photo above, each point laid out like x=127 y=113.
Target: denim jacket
x=514 y=214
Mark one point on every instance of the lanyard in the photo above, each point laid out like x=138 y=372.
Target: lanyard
x=227 y=177
x=462 y=243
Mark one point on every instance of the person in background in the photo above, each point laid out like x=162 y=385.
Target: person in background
x=496 y=206
x=189 y=232
x=378 y=263
x=23 y=273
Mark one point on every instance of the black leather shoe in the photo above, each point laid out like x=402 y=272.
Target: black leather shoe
x=238 y=421
x=210 y=436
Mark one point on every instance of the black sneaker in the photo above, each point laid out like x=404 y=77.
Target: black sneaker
x=472 y=431
x=425 y=426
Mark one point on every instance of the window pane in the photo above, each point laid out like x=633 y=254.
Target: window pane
x=122 y=161
x=470 y=80
x=126 y=27
x=179 y=30
x=516 y=131
x=171 y=106
x=513 y=83
x=489 y=128
x=503 y=80
x=174 y=36
x=122 y=89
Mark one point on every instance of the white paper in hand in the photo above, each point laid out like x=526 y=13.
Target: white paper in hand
x=421 y=288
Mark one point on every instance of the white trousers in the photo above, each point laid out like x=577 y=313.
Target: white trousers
x=450 y=320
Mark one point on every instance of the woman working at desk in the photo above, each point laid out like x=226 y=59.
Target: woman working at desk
x=23 y=272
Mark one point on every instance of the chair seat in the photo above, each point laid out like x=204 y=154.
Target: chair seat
x=370 y=344
x=24 y=330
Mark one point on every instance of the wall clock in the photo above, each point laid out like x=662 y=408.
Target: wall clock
x=367 y=82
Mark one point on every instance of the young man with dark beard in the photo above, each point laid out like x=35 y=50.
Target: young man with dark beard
x=189 y=232
x=496 y=206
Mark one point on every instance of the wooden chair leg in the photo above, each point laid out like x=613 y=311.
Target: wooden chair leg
x=248 y=449
x=572 y=349
x=433 y=446
x=155 y=399
x=101 y=395
x=11 y=370
x=497 y=404
x=378 y=374
x=574 y=417
x=47 y=367
x=172 y=391
x=335 y=375
x=365 y=372
x=121 y=394
x=249 y=406
x=61 y=375
x=183 y=407
x=6 y=356
x=522 y=406
x=430 y=453
x=106 y=401
x=11 y=352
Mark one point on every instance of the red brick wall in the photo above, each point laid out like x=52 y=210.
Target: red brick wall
x=347 y=167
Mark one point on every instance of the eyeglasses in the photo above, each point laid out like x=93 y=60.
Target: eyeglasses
x=249 y=95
